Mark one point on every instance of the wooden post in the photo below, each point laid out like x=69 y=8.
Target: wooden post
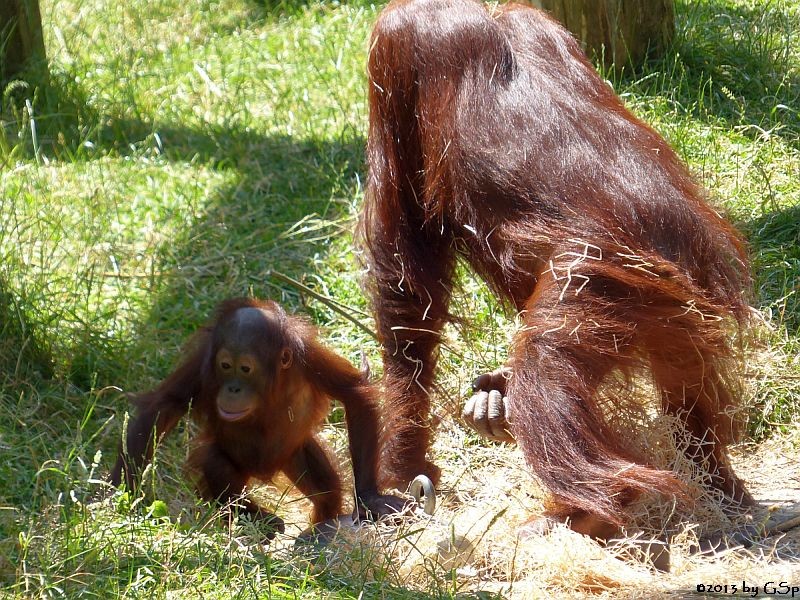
x=619 y=32
x=21 y=40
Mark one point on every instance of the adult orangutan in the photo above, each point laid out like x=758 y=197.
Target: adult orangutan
x=493 y=140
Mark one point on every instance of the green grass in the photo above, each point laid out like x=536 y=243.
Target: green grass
x=183 y=150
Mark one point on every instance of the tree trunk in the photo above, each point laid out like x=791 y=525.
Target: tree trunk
x=21 y=40
x=619 y=32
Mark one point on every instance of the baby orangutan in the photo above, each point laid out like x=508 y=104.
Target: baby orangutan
x=260 y=384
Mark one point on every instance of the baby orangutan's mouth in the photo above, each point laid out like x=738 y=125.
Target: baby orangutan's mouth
x=235 y=415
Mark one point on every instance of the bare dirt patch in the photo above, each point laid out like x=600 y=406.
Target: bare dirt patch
x=470 y=544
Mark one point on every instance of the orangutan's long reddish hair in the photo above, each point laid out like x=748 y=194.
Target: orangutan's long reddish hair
x=493 y=140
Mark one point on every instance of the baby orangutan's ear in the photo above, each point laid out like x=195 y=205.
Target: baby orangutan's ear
x=286 y=358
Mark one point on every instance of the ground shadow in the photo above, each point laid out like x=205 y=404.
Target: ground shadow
x=731 y=62
x=24 y=360
x=62 y=113
x=775 y=249
x=22 y=351
x=290 y=7
x=280 y=7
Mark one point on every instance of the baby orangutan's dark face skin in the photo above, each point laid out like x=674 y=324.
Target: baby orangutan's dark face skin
x=241 y=378
x=242 y=373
